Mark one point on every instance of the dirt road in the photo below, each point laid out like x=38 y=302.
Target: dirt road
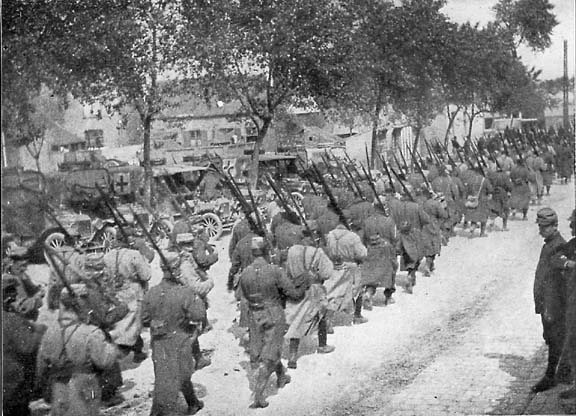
x=466 y=342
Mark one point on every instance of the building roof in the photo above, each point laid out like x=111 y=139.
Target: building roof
x=191 y=107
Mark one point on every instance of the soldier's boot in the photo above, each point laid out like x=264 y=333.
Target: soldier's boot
x=367 y=298
x=483 y=230
x=282 y=377
x=548 y=381
x=293 y=352
x=194 y=404
x=388 y=300
x=524 y=213
x=411 y=281
x=358 y=318
x=505 y=223
x=323 y=347
x=264 y=371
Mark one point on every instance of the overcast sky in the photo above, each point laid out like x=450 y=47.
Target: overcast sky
x=551 y=60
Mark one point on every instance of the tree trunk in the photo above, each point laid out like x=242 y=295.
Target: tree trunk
x=451 y=118
x=375 y=125
x=253 y=179
x=147 y=187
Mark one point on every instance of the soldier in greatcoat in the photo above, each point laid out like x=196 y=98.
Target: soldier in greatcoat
x=20 y=341
x=175 y=315
x=264 y=285
x=550 y=295
x=128 y=272
x=380 y=237
x=435 y=207
x=520 y=195
x=443 y=184
x=307 y=315
x=478 y=188
x=410 y=218
x=71 y=352
x=346 y=251
x=500 y=202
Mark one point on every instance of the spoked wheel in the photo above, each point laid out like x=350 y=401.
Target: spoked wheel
x=212 y=224
x=298 y=198
x=55 y=241
x=107 y=238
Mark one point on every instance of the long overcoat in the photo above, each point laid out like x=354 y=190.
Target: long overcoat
x=301 y=316
x=478 y=186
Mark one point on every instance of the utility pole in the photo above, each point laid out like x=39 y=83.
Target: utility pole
x=565 y=115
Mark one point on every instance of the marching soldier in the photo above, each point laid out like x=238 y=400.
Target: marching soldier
x=346 y=251
x=174 y=313
x=264 y=285
x=304 y=316
x=379 y=267
x=410 y=218
x=434 y=206
x=71 y=352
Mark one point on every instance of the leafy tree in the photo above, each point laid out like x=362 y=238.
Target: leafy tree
x=264 y=54
x=526 y=21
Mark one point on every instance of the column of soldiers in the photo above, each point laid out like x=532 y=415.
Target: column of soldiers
x=354 y=238
x=314 y=265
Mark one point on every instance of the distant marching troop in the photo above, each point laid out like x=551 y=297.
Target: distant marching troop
x=297 y=269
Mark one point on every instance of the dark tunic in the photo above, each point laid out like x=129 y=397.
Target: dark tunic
x=410 y=218
x=173 y=312
x=520 y=197
x=264 y=286
x=500 y=202
x=432 y=232
x=550 y=290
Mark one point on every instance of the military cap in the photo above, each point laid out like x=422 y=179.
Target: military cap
x=258 y=243
x=185 y=238
x=546 y=216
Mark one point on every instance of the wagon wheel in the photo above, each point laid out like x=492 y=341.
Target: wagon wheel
x=54 y=241
x=107 y=238
x=212 y=224
x=298 y=198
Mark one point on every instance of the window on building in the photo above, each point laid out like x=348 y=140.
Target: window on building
x=94 y=138
x=194 y=138
x=488 y=122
